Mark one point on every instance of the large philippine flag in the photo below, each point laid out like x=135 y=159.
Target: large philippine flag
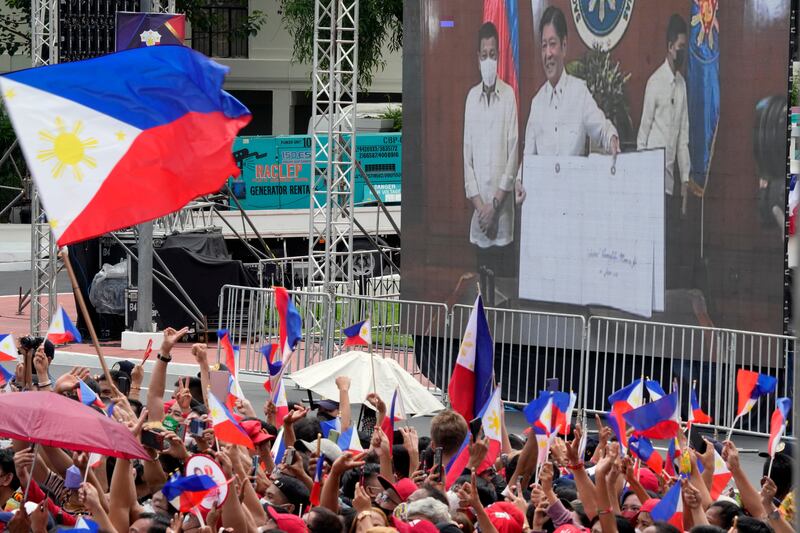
x=123 y=138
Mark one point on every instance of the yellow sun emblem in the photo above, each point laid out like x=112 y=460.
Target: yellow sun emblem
x=68 y=148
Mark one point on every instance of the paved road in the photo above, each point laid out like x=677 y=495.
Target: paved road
x=10 y=282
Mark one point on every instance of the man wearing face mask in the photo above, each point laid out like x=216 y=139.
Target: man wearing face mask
x=665 y=124
x=490 y=161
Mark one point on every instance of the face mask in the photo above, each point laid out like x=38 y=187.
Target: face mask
x=630 y=516
x=489 y=71
x=680 y=57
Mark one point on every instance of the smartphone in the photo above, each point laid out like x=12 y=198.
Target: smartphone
x=124 y=384
x=334 y=435
x=697 y=442
x=504 y=459
x=196 y=427
x=437 y=458
x=153 y=439
x=288 y=457
x=475 y=428
x=256 y=461
x=519 y=484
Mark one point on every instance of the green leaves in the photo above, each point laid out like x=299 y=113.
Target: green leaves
x=380 y=26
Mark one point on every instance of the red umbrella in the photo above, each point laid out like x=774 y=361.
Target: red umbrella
x=50 y=419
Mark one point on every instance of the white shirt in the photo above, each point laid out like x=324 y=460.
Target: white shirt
x=490 y=156
x=563 y=116
x=665 y=122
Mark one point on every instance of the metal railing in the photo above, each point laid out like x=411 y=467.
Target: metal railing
x=375 y=272
x=592 y=357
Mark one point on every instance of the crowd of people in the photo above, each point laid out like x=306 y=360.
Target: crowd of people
x=397 y=483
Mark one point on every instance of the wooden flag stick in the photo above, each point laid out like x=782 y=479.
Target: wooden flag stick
x=86 y=318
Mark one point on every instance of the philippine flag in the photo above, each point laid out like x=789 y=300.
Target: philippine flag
x=539 y=412
x=656 y=420
x=281 y=403
x=457 y=463
x=226 y=428
x=290 y=329
x=471 y=383
x=8 y=348
x=316 y=488
x=654 y=389
x=563 y=405
x=273 y=367
x=721 y=476
x=123 y=138
x=88 y=396
x=624 y=400
x=84 y=525
x=186 y=492
x=62 y=330
x=278 y=448
x=642 y=448
x=491 y=421
x=359 y=334
x=504 y=14
x=670 y=508
x=330 y=425
x=6 y=377
x=777 y=425
x=696 y=414
x=231 y=357
x=349 y=441
x=750 y=386
x=396 y=412
x=672 y=454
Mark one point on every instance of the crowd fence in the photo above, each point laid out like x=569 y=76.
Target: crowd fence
x=591 y=356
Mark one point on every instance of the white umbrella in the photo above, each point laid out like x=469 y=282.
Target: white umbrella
x=357 y=365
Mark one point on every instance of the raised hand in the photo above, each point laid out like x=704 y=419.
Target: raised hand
x=171 y=337
x=375 y=401
x=295 y=415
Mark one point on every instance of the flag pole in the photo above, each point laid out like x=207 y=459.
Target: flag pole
x=85 y=312
x=733 y=425
x=769 y=470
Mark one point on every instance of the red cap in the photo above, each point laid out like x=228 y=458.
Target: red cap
x=649 y=505
x=403 y=488
x=505 y=517
x=255 y=431
x=571 y=528
x=290 y=523
x=167 y=405
x=648 y=479
x=420 y=526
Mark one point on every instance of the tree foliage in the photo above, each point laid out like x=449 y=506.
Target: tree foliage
x=380 y=24
x=15 y=18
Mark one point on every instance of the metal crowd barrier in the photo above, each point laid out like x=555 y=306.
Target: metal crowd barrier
x=617 y=351
x=375 y=272
x=591 y=357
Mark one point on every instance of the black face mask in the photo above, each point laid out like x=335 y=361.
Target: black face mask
x=680 y=57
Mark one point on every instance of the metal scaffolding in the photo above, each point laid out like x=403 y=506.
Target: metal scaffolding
x=44 y=51
x=334 y=86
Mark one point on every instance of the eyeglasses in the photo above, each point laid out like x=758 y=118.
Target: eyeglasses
x=384 y=497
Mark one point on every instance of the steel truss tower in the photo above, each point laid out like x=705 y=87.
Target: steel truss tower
x=334 y=86
x=44 y=51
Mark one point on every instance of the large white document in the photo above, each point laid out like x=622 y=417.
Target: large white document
x=592 y=231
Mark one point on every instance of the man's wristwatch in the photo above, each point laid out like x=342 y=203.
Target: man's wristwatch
x=164 y=357
x=495 y=203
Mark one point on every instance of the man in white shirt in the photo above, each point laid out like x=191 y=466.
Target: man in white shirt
x=490 y=161
x=563 y=113
x=665 y=116
x=665 y=124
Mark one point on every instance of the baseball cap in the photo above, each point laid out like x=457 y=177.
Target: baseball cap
x=328 y=405
x=255 y=431
x=290 y=523
x=571 y=528
x=404 y=488
x=293 y=489
x=328 y=448
x=648 y=479
x=784 y=447
x=505 y=517
x=419 y=526
x=648 y=505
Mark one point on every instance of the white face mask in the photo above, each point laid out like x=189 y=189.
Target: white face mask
x=489 y=71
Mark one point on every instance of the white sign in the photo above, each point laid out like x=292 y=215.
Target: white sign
x=592 y=231
x=202 y=464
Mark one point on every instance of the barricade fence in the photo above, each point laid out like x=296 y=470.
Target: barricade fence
x=592 y=356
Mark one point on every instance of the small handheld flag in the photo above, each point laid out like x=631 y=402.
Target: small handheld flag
x=186 y=492
x=290 y=329
x=642 y=448
x=696 y=414
x=88 y=396
x=359 y=334
x=6 y=377
x=777 y=424
x=226 y=428
x=670 y=508
x=750 y=386
x=62 y=330
x=8 y=348
x=316 y=488
x=656 y=420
